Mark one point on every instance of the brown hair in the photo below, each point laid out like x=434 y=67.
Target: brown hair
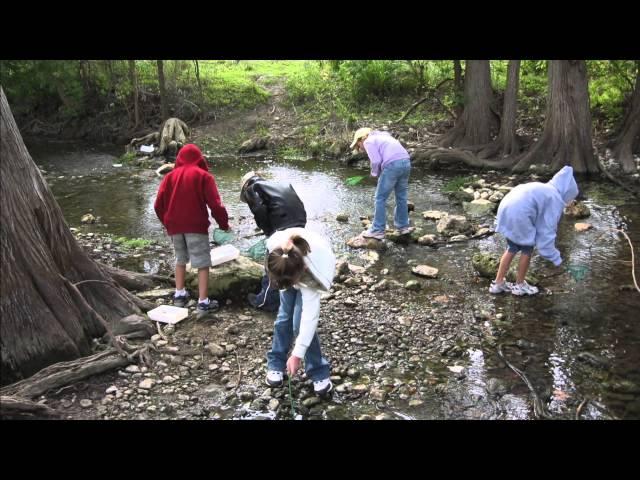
x=286 y=265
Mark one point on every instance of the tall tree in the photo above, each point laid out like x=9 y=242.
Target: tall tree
x=55 y=298
x=477 y=123
x=133 y=76
x=566 y=139
x=628 y=140
x=507 y=143
x=163 y=91
x=458 y=85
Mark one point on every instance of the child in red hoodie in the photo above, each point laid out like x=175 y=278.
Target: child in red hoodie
x=181 y=206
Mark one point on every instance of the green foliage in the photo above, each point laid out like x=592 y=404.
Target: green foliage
x=456 y=183
x=133 y=243
x=128 y=157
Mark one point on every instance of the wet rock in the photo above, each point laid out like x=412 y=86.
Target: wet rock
x=111 y=390
x=434 y=215
x=273 y=404
x=496 y=197
x=487 y=266
x=234 y=279
x=361 y=242
x=479 y=208
x=427 y=240
x=481 y=231
x=415 y=403
x=342 y=217
x=425 y=271
x=413 y=285
x=342 y=268
x=86 y=403
x=454 y=225
x=132 y=369
x=582 y=227
x=496 y=387
x=378 y=394
x=458 y=238
x=595 y=360
x=380 y=286
x=88 y=218
x=577 y=210
x=311 y=401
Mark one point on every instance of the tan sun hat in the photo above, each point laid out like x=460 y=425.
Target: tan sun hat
x=359 y=135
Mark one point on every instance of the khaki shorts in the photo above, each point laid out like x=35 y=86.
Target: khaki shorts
x=194 y=246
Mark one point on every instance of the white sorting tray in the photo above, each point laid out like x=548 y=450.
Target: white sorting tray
x=168 y=314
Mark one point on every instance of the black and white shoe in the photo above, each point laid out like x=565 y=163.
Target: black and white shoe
x=180 y=300
x=275 y=378
x=322 y=387
x=204 y=309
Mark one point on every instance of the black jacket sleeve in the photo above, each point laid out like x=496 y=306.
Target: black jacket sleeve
x=259 y=206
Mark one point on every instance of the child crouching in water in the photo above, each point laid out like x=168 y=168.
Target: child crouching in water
x=528 y=216
x=301 y=265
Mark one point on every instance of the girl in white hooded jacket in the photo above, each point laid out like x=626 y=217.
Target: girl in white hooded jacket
x=528 y=217
x=301 y=265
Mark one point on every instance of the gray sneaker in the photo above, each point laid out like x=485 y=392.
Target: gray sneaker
x=180 y=300
x=496 y=288
x=204 y=309
x=370 y=234
x=405 y=230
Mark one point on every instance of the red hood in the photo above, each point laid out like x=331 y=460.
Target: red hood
x=191 y=155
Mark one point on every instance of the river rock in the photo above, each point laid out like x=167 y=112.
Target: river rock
x=434 y=214
x=85 y=403
x=342 y=217
x=311 y=401
x=134 y=326
x=378 y=394
x=577 y=210
x=231 y=280
x=487 y=266
x=458 y=238
x=582 y=227
x=427 y=239
x=454 y=225
x=413 y=285
x=146 y=384
x=479 y=208
x=425 y=271
x=88 y=218
x=362 y=242
x=496 y=197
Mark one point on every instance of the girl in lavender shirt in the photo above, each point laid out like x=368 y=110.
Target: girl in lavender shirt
x=389 y=161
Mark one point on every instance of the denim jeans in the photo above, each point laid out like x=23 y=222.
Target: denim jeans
x=394 y=177
x=272 y=300
x=285 y=330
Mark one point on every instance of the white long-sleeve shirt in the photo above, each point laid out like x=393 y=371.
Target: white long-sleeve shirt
x=321 y=264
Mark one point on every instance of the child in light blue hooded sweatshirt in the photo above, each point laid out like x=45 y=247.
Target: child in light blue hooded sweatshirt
x=528 y=217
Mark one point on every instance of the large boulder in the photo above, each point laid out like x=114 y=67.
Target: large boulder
x=479 y=208
x=454 y=225
x=234 y=279
x=487 y=266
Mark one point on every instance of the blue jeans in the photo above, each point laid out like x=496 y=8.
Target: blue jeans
x=272 y=300
x=394 y=177
x=285 y=329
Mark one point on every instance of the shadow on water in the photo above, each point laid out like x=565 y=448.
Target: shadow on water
x=579 y=339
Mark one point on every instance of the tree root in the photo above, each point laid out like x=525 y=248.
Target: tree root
x=433 y=157
x=15 y=408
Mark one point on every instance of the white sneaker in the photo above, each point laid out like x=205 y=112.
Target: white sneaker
x=370 y=234
x=500 y=287
x=322 y=387
x=524 y=289
x=275 y=378
x=405 y=230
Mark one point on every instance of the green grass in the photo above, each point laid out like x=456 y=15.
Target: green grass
x=127 y=157
x=133 y=243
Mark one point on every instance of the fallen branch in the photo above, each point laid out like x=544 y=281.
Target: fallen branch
x=539 y=409
x=579 y=409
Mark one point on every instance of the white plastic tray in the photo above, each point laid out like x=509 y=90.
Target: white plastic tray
x=168 y=314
